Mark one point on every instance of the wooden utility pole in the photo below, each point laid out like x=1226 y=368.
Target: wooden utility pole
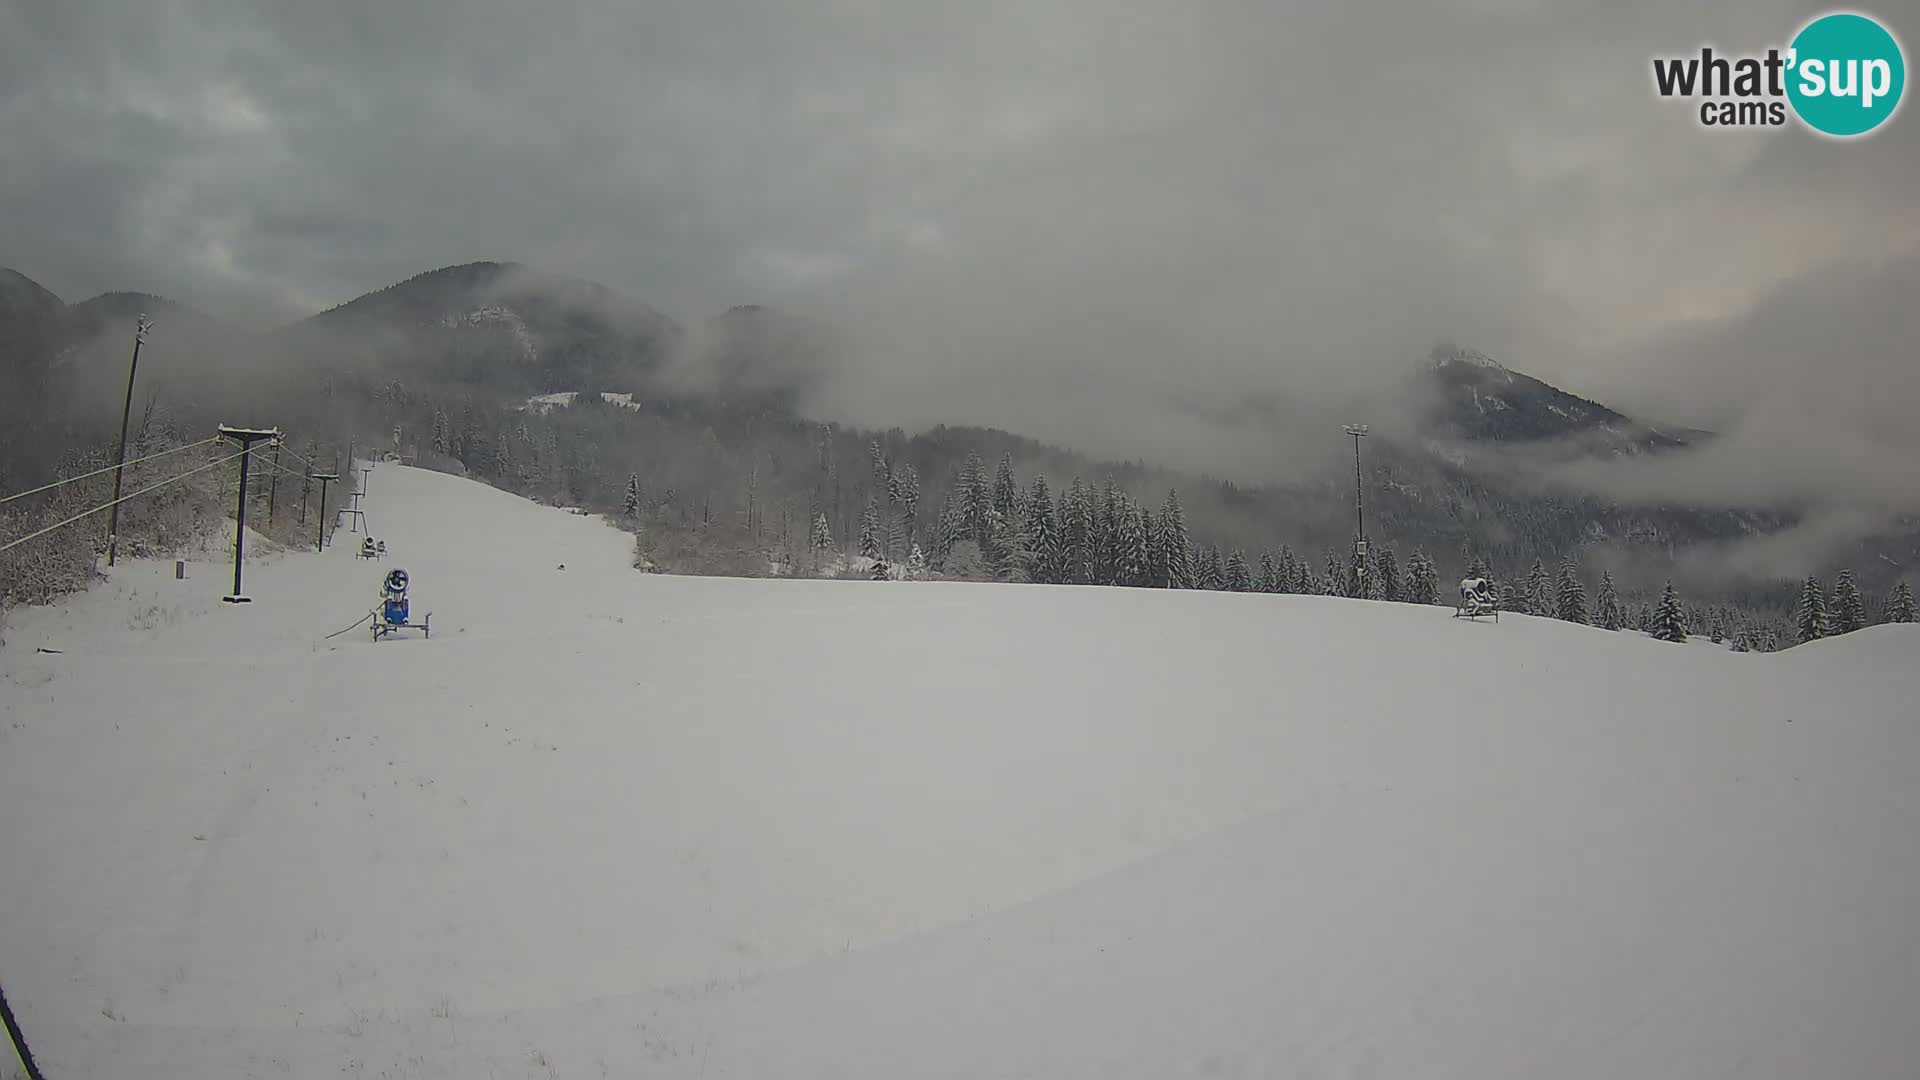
x=120 y=448
x=245 y=437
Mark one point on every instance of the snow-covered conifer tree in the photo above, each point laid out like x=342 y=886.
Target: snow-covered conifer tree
x=1043 y=535
x=1849 y=610
x=1386 y=575
x=821 y=540
x=1536 y=590
x=1269 y=579
x=1239 y=577
x=1423 y=585
x=870 y=532
x=1293 y=572
x=631 y=506
x=1812 y=617
x=1607 y=603
x=1075 y=534
x=1006 y=493
x=1173 y=570
x=1669 y=622
x=1570 y=603
x=1900 y=607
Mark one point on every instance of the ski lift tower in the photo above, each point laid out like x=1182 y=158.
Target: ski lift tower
x=1358 y=431
x=244 y=438
x=356 y=517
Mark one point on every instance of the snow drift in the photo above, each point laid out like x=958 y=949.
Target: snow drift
x=607 y=823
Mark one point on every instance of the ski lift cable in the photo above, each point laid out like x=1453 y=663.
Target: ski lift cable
x=11 y=544
x=308 y=462
x=107 y=469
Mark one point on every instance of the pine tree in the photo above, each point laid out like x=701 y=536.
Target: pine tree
x=881 y=474
x=1208 y=571
x=502 y=457
x=1131 y=551
x=1305 y=582
x=1173 y=569
x=1511 y=598
x=1006 y=493
x=881 y=571
x=439 y=431
x=1386 y=575
x=1610 y=617
x=1570 y=603
x=1106 y=552
x=1292 y=572
x=1669 y=622
x=906 y=499
x=916 y=564
x=1043 y=535
x=1239 y=578
x=1076 y=534
x=821 y=539
x=1849 y=611
x=1011 y=554
x=1423 y=585
x=974 y=502
x=1813 y=611
x=1477 y=568
x=870 y=532
x=1716 y=629
x=1900 y=608
x=1335 y=582
x=1269 y=579
x=631 y=507
x=1536 y=591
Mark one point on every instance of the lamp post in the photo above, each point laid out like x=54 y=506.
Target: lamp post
x=1359 y=431
x=120 y=450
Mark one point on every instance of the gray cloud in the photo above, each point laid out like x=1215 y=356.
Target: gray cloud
x=1204 y=233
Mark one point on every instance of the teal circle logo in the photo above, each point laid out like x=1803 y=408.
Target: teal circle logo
x=1846 y=74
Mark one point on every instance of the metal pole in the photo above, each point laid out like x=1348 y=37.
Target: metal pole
x=320 y=541
x=1359 y=511
x=120 y=449
x=240 y=523
x=273 y=485
x=1358 y=431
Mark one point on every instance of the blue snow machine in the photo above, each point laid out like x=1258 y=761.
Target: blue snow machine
x=392 y=613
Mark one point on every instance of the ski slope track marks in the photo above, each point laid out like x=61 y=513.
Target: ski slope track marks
x=607 y=823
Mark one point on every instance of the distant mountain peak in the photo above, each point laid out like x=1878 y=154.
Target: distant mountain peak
x=1447 y=354
x=20 y=292
x=1483 y=400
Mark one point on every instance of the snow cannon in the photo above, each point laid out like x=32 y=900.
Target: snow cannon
x=393 y=597
x=393 y=611
x=1476 y=599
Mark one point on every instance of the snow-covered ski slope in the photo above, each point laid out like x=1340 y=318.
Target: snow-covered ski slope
x=614 y=824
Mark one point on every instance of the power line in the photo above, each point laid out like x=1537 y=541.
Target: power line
x=108 y=469
x=11 y=544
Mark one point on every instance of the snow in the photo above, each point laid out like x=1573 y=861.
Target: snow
x=501 y=316
x=542 y=403
x=607 y=823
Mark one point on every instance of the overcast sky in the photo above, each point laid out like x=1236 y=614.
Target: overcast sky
x=1124 y=225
